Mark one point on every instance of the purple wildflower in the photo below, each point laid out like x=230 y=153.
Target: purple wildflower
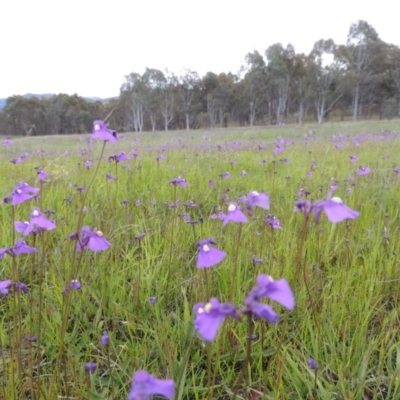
x=179 y=181
x=257 y=199
x=73 y=285
x=19 y=248
x=210 y=316
x=234 y=214
x=225 y=175
x=209 y=256
x=160 y=158
x=363 y=171
x=42 y=175
x=353 y=159
x=272 y=221
x=122 y=157
x=20 y=286
x=152 y=299
x=7 y=142
x=278 y=149
x=100 y=131
x=312 y=364
x=211 y=183
x=219 y=215
x=31 y=339
x=104 y=339
x=4 y=286
x=335 y=210
x=266 y=287
x=94 y=240
x=37 y=219
x=90 y=368
x=144 y=385
x=88 y=164
x=23 y=192
x=110 y=177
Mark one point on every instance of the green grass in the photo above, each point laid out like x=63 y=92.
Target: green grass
x=347 y=320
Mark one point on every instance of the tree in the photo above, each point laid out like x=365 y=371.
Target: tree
x=324 y=77
x=133 y=97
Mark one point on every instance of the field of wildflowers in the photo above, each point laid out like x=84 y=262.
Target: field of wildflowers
x=241 y=264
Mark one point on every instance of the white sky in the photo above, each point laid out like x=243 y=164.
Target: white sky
x=87 y=47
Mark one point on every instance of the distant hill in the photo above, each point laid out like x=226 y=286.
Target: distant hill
x=47 y=95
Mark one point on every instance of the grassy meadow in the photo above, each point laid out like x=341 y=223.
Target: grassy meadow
x=141 y=291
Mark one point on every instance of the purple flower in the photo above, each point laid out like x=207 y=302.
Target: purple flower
x=225 y=175
x=90 y=367
x=104 y=339
x=272 y=221
x=352 y=159
x=110 y=177
x=179 y=181
x=243 y=173
x=144 y=385
x=210 y=316
x=73 y=285
x=257 y=199
x=121 y=157
x=4 y=286
x=278 y=149
x=100 y=131
x=42 y=175
x=37 y=219
x=160 y=158
x=312 y=364
x=20 y=286
x=363 y=171
x=19 y=248
x=219 y=215
x=335 y=210
x=23 y=192
x=209 y=256
x=234 y=214
x=7 y=142
x=152 y=299
x=94 y=240
x=88 y=164
x=266 y=287
x=211 y=183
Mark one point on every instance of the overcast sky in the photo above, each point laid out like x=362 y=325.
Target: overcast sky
x=87 y=47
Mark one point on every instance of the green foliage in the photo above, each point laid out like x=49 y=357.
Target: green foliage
x=347 y=320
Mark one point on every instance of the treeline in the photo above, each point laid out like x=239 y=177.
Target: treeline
x=358 y=79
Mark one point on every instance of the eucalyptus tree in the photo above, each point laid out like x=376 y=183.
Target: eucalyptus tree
x=168 y=97
x=132 y=95
x=363 y=51
x=188 y=91
x=209 y=83
x=325 y=71
x=153 y=81
x=255 y=85
x=280 y=68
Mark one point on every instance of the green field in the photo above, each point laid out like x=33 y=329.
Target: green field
x=345 y=276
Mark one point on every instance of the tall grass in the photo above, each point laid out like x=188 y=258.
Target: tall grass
x=346 y=319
